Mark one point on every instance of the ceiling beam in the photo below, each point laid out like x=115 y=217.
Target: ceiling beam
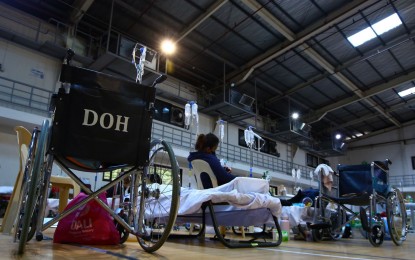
x=276 y=24
x=211 y=10
x=79 y=9
x=321 y=112
x=346 y=82
x=270 y=18
x=368 y=117
x=382 y=131
x=333 y=18
x=346 y=64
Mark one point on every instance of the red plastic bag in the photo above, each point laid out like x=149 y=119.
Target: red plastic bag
x=89 y=224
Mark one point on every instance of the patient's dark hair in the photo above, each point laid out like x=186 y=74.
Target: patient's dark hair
x=206 y=141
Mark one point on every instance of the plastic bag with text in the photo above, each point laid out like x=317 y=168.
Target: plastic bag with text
x=90 y=224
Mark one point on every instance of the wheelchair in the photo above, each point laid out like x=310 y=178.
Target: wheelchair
x=365 y=187
x=101 y=123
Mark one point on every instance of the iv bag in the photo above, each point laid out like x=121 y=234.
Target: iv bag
x=249 y=137
x=187 y=114
x=221 y=132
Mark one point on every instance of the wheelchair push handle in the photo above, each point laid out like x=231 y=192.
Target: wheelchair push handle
x=383 y=164
x=387 y=161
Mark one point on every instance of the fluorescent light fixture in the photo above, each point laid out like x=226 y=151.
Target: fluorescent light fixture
x=378 y=28
x=407 y=92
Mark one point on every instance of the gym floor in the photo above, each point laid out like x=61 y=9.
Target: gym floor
x=193 y=248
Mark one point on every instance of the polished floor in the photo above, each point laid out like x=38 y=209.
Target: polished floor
x=196 y=249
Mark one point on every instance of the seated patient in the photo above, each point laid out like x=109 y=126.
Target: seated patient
x=206 y=146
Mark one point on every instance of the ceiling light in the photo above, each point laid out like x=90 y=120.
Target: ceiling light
x=295 y=115
x=407 y=92
x=378 y=28
x=168 y=47
x=338 y=136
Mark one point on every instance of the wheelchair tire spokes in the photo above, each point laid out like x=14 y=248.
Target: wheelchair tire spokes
x=159 y=184
x=25 y=186
x=396 y=217
x=28 y=222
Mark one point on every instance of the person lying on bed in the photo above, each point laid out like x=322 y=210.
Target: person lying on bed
x=206 y=146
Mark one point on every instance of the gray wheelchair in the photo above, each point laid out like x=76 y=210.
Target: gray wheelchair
x=101 y=123
x=362 y=193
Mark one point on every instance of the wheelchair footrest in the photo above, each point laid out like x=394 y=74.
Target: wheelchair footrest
x=363 y=220
x=319 y=225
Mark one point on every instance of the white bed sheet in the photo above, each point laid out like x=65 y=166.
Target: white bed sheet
x=243 y=194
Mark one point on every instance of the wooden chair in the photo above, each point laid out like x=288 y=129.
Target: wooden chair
x=64 y=184
x=23 y=142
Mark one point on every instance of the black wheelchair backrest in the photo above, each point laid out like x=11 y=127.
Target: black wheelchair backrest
x=357 y=179
x=102 y=118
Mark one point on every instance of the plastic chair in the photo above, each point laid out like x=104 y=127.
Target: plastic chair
x=201 y=166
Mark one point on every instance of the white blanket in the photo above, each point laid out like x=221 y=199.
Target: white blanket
x=241 y=193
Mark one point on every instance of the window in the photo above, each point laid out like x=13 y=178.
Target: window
x=111 y=175
x=161 y=170
x=313 y=160
x=322 y=160
x=270 y=147
x=165 y=173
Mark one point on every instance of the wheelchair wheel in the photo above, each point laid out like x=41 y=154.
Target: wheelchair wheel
x=376 y=235
x=123 y=235
x=333 y=222
x=396 y=217
x=26 y=225
x=317 y=234
x=160 y=187
x=338 y=220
